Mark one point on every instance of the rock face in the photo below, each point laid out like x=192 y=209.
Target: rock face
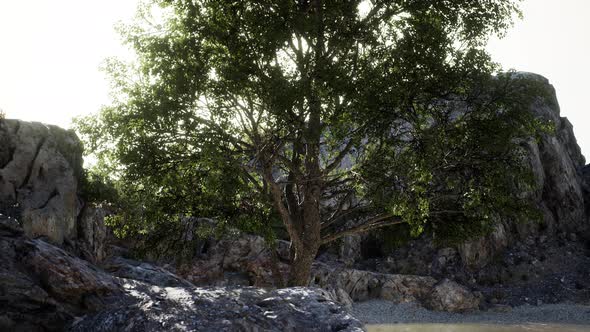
x=92 y=233
x=562 y=197
x=221 y=309
x=556 y=162
x=236 y=260
x=449 y=296
x=39 y=170
x=44 y=288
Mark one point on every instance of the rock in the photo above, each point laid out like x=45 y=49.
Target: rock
x=221 y=309
x=92 y=233
x=365 y=285
x=65 y=277
x=39 y=171
x=42 y=287
x=350 y=249
x=449 y=296
x=239 y=259
x=142 y=271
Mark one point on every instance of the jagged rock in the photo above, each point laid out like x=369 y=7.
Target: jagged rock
x=42 y=287
x=364 y=285
x=449 y=296
x=142 y=271
x=221 y=309
x=92 y=233
x=39 y=170
x=241 y=259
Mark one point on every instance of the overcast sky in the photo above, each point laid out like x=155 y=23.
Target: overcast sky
x=50 y=52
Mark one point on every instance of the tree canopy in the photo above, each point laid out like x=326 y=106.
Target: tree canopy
x=331 y=117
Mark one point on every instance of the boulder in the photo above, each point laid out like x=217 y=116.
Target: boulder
x=237 y=259
x=145 y=272
x=42 y=287
x=39 y=171
x=364 y=285
x=449 y=296
x=221 y=309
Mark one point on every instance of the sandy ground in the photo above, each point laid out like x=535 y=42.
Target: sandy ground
x=385 y=312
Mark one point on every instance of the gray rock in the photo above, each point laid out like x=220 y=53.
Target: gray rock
x=42 y=287
x=92 y=233
x=145 y=272
x=39 y=170
x=221 y=309
x=363 y=285
x=449 y=296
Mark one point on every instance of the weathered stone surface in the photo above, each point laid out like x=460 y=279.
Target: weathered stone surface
x=556 y=162
x=364 y=285
x=449 y=296
x=240 y=259
x=42 y=287
x=39 y=170
x=221 y=309
x=145 y=272
x=92 y=233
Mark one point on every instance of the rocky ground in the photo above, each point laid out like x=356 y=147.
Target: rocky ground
x=45 y=288
x=384 y=312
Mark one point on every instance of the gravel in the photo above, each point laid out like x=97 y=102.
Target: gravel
x=385 y=312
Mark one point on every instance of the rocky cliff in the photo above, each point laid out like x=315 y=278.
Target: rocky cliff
x=560 y=196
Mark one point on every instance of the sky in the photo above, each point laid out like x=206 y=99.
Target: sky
x=51 y=51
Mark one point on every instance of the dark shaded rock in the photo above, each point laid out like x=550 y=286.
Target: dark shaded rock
x=221 y=309
x=42 y=287
x=142 y=271
x=92 y=233
x=449 y=296
x=364 y=285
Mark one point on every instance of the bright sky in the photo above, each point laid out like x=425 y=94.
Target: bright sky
x=50 y=52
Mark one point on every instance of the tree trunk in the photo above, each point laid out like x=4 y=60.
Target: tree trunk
x=301 y=267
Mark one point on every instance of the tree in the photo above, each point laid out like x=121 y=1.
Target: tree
x=334 y=117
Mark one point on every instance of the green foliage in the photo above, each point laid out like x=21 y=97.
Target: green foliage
x=242 y=111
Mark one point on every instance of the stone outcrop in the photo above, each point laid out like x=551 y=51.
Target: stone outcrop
x=92 y=233
x=449 y=296
x=44 y=288
x=237 y=259
x=221 y=309
x=556 y=162
x=561 y=195
x=40 y=167
x=346 y=285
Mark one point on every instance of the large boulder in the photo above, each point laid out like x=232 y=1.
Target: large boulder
x=40 y=167
x=221 y=309
x=449 y=296
x=237 y=259
x=365 y=285
x=42 y=287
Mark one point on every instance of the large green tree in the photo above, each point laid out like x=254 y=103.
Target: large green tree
x=333 y=116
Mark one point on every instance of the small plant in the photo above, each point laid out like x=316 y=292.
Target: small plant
x=2 y=114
